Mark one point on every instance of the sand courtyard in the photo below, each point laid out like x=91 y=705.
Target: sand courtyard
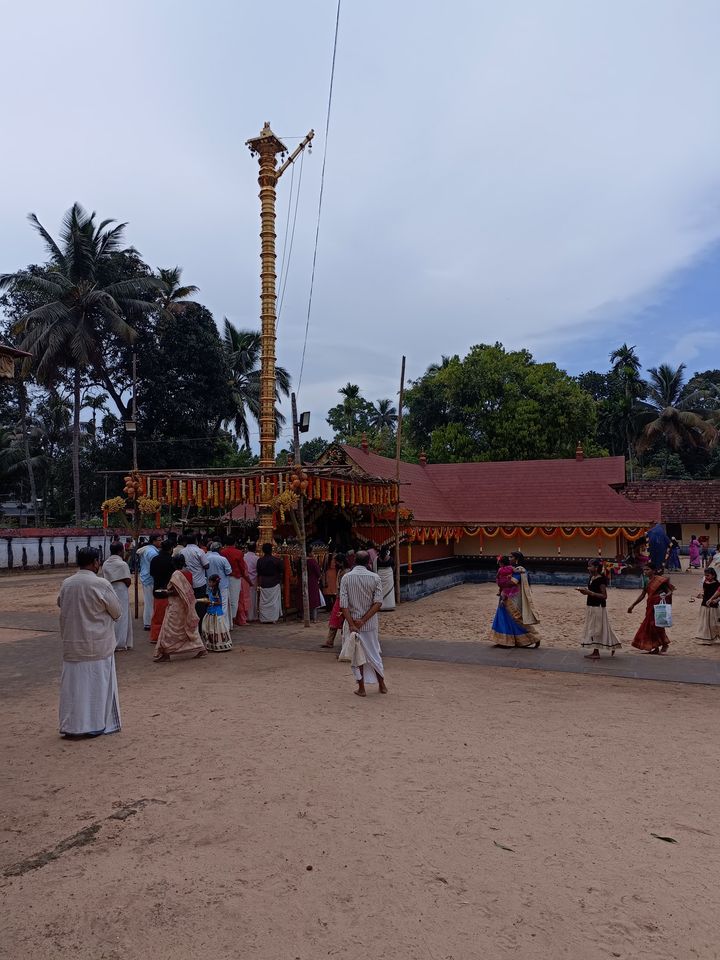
x=253 y=807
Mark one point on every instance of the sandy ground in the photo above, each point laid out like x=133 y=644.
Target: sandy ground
x=466 y=613
x=461 y=613
x=252 y=807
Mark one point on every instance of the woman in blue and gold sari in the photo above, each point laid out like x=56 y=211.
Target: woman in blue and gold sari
x=515 y=619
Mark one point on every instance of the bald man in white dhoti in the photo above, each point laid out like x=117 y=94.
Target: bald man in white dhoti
x=89 y=702
x=361 y=597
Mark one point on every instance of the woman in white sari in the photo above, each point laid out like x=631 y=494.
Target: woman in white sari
x=116 y=571
x=386 y=572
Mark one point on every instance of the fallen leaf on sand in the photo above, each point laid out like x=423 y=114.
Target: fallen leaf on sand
x=666 y=839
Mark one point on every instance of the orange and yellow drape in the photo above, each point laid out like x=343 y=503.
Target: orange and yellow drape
x=423 y=534
x=231 y=491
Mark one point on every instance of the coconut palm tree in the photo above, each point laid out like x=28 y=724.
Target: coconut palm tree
x=383 y=416
x=666 y=417
x=96 y=403
x=173 y=296
x=67 y=334
x=242 y=348
x=351 y=404
x=625 y=370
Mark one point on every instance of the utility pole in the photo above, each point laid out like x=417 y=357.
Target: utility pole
x=398 y=441
x=301 y=518
x=134 y=408
x=266 y=147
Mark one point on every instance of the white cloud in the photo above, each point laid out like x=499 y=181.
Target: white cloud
x=495 y=171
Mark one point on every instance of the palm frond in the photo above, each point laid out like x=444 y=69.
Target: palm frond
x=56 y=254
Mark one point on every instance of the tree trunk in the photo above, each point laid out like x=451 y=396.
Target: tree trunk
x=76 y=442
x=122 y=408
x=22 y=404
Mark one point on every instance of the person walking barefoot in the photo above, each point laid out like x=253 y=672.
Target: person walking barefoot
x=658 y=589
x=598 y=633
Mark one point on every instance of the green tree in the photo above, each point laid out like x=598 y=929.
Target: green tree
x=499 y=405
x=352 y=416
x=173 y=295
x=623 y=401
x=666 y=418
x=242 y=354
x=184 y=390
x=383 y=416
x=69 y=332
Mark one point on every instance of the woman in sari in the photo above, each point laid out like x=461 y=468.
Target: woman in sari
x=708 y=627
x=694 y=553
x=386 y=572
x=179 y=632
x=673 y=555
x=658 y=589
x=525 y=599
x=337 y=619
x=508 y=629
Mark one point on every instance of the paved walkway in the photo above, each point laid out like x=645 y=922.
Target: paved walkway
x=633 y=666
x=30 y=654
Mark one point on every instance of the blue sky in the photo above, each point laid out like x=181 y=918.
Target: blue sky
x=545 y=174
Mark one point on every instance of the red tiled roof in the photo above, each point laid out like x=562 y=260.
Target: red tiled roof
x=681 y=501
x=526 y=492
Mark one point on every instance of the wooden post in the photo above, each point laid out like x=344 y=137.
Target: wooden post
x=397 y=478
x=301 y=519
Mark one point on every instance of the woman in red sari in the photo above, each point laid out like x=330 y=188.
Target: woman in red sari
x=658 y=589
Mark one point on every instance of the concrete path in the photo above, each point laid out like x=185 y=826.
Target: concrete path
x=30 y=654
x=633 y=666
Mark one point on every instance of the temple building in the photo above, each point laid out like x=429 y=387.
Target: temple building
x=552 y=509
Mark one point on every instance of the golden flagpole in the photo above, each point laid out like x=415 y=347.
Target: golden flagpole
x=266 y=147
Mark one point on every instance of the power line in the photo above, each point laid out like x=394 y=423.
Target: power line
x=320 y=199
x=287 y=224
x=292 y=237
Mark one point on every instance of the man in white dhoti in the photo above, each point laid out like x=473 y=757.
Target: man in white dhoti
x=145 y=557
x=270 y=573
x=361 y=597
x=117 y=574
x=89 y=702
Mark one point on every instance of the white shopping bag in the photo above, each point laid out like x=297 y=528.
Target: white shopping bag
x=663 y=615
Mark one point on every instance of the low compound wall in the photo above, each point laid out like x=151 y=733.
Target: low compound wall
x=429 y=578
x=39 y=548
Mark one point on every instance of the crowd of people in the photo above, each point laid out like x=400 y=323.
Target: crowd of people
x=197 y=593
x=194 y=595
x=515 y=621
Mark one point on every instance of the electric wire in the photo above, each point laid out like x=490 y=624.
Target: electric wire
x=287 y=224
x=283 y=282
x=320 y=199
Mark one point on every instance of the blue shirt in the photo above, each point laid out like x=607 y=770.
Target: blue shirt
x=219 y=566
x=145 y=558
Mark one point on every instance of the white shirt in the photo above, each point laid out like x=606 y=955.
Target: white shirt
x=88 y=607
x=197 y=563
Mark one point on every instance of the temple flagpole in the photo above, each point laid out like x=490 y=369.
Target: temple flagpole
x=266 y=147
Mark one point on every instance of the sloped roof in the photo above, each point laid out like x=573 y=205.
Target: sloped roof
x=525 y=492
x=681 y=501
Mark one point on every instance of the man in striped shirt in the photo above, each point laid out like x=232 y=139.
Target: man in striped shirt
x=361 y=597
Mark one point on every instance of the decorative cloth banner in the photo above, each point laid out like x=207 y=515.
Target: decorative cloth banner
x=261 y=488
x=422 y=534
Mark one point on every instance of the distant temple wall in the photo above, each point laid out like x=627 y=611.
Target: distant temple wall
x=576 y=547
x=18 y=549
